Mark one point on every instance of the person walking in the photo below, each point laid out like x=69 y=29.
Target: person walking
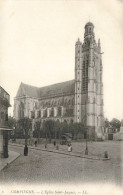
x=54 y=143
x=35 y=143
x=25 y=150
x=69 y=148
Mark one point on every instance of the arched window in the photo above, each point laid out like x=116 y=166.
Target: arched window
x=65 y=121
x=71 y=121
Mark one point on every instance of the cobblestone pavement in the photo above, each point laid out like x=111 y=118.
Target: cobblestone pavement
x=48 y=167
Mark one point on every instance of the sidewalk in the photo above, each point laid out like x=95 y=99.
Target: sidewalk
x=6 y=161
x=63 y=150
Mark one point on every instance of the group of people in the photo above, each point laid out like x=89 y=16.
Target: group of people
x=69 y=146
x=54 y=143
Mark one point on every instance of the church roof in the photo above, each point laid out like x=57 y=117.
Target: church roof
x=28 y=90
x=64 y=88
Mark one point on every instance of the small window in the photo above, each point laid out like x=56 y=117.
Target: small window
x=78 y=110
x=78 y=117
x=78 y=59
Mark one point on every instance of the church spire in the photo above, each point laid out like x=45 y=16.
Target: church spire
x=89 y=27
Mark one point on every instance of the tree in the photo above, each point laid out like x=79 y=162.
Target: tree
x=75 y=129
x=25 y=124
x=64 y=128
x=49 y=126
x=56 y=129
x=72 y=129
x=37 y=128
x=11 y=122
x=106 y=123
x=115 y=123
x=69 y=112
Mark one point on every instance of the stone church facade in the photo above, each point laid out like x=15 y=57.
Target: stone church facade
x=79 y=100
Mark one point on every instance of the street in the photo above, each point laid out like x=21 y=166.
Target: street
x=48 y=167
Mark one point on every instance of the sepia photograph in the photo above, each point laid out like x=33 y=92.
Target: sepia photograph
x=61 y=97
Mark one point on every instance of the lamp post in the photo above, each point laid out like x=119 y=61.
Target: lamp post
x=86 y=150
x=14 y=133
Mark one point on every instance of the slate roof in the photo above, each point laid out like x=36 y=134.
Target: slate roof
x=63 y=88
x=28 y=90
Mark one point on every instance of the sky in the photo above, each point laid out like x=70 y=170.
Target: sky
x=37 y=44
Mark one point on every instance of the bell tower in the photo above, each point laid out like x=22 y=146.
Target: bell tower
x=88 y=83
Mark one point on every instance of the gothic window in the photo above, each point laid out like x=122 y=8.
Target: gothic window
x=71 y=121
x=94 y=100
x=102 y=101
x=85 y=75
x=32 y=114
x=88 y=99
x=97 y=87
x=73 y=101
x=38 y=114
x=101 y=77
x=62 y=101
x=86 y=62
x=69 y=102
x=93 y=62
x=66 y=102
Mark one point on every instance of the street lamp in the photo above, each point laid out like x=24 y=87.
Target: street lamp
x=86 y=150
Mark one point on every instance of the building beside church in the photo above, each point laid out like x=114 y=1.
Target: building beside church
x=79 y=100
x=4 y=104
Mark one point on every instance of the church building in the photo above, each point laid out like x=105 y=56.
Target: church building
x=79 y=100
